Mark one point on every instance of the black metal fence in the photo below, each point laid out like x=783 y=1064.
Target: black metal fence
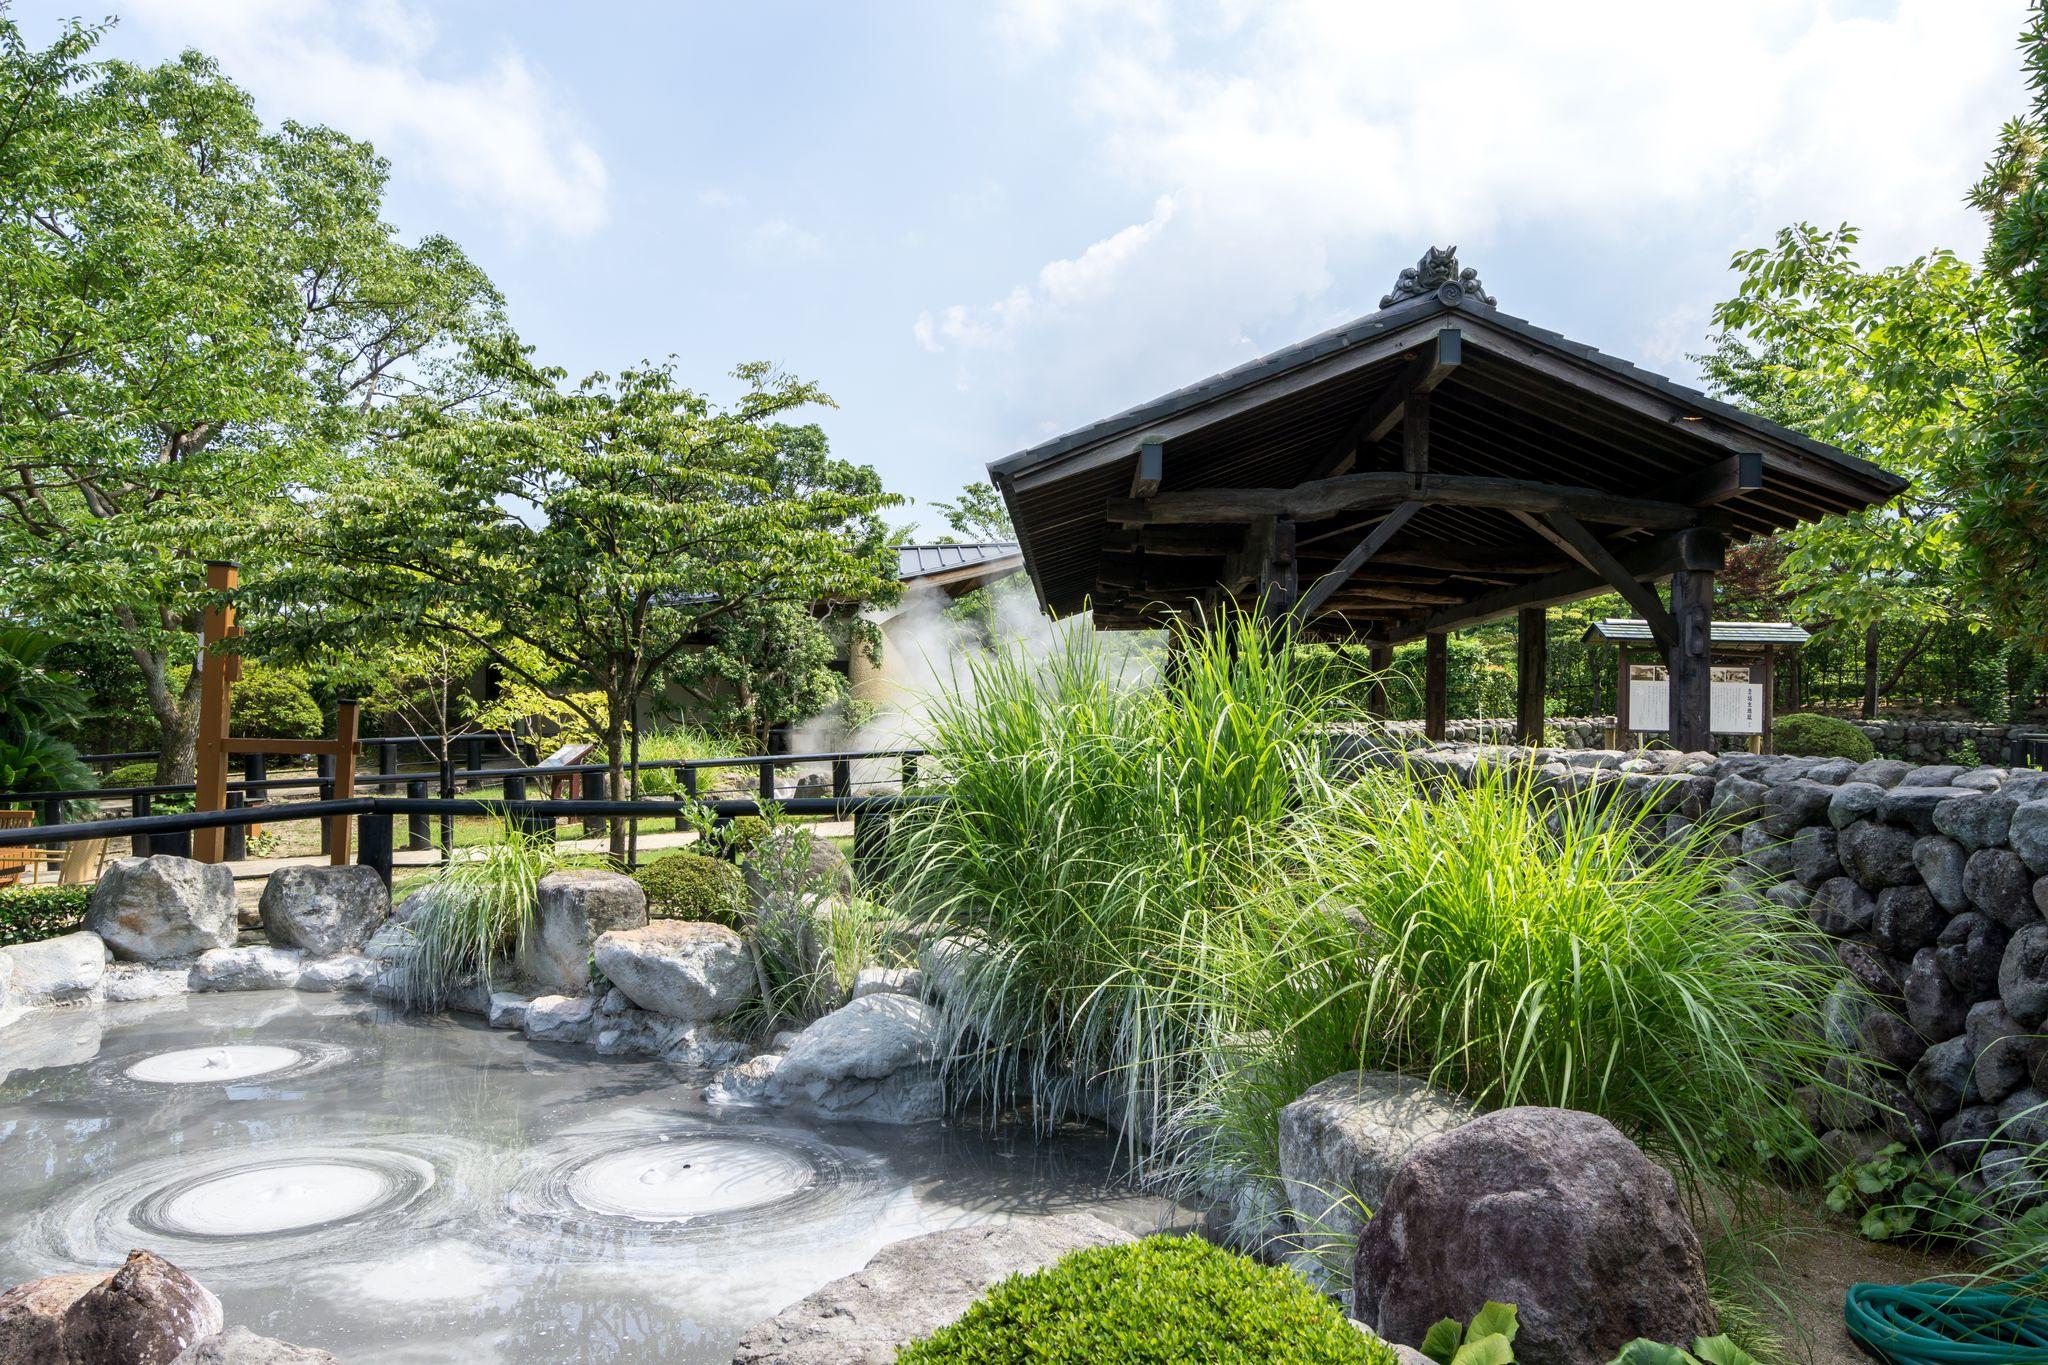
x=376 y=816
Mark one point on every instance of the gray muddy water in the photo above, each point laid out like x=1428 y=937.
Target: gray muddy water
x=401 y=1190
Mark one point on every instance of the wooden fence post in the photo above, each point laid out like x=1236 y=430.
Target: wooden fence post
x=217 y=672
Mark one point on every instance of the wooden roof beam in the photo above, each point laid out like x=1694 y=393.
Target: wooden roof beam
x=1311 y=602
x=1690 y=549
x=1429 y=369
x=1723 y=481
x=1575 y=540
x=1321 y=498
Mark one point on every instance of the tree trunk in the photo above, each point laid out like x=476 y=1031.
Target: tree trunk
x=1870 y=672
x=177 y=718
x=615 y=766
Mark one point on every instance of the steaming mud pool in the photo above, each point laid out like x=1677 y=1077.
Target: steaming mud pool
x=397 y=1190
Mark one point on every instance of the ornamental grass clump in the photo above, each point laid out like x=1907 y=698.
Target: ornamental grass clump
x=476 y=910
x=1160 y=1301
x=1106 y=824
x=1517 y=948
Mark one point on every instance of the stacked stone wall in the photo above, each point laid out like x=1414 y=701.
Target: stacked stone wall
x=1916 y=741
x=1928 y=882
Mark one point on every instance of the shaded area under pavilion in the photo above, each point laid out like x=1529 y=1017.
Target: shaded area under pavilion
x=1431 y=466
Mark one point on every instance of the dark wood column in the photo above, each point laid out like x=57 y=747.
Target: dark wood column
x=1435 y=660
x=1690 y=659
x=1380 y=657
x=1532 y=664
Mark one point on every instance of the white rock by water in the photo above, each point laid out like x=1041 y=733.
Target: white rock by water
x=149 y=909
x=871 y=1059
x=324 y=910
x=684 y=970
x=745 y=1082
x=67 y=967
x=558 y=1019
x=347 y=972
x=573 y=909
x=240 y=1346
x=914 y=1288
x=129 y=981
x=1343 y=1140
x=247 y=969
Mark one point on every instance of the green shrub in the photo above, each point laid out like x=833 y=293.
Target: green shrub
x=741 y=835
x=141 y=774
x=29 y=913
x=692 y=886
x=1161 y=1300
x=1814 y=736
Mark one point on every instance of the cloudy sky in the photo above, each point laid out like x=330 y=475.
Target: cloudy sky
x=978 y=226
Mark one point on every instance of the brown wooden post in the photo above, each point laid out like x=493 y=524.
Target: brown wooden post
x=1770 y=696
x=1435 y=684
x=217 y=671
x=1532 y=664
x=1380 y=658
x=1621 y=716
x=345 y=720
x=1279 y=577
x=1691 y=660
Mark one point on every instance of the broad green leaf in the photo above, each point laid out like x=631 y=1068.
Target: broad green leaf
x=1494 y=1319
x=1442 y=1340
x=1487 y=1350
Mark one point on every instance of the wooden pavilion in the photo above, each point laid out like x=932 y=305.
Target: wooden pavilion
x=1431 y=466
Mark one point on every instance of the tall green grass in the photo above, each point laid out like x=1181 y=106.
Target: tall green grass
x=1105 y=822
x=1168 y=908
x=479 y=905
x=1519 y=949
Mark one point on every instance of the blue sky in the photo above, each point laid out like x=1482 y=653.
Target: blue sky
x=978 y=226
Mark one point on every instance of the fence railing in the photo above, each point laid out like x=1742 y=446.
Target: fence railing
x=246 y=808
x=376 y=819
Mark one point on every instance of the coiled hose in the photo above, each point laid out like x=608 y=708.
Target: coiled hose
x=1942 y=1324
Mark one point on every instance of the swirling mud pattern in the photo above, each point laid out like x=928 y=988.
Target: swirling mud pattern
x=258 y=1205
x=684 y=1182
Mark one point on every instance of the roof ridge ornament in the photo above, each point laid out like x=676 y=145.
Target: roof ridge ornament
x=1437 y=273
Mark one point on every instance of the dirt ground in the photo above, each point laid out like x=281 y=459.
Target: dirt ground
x=1815 y=1267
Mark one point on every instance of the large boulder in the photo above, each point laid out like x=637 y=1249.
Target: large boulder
x=240 y=1346
x=1551 y=1210
x=324 y=910
x=146 y=1313
x=149 y=909
x=873 y=1058
x=32 y=1317
x=67 y=967
x=914 y=1288
x=572 y=910
x=247 y=969
x=1343 y=1140
x=688 y=971
x=1877 y=855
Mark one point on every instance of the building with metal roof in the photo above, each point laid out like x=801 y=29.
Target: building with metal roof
x=1726 y=634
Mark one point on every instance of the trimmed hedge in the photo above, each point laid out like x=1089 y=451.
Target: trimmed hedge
x=1159 y=1301
x=691 y=886
x=31 y=913
x=141 y=774
x=1804 y=734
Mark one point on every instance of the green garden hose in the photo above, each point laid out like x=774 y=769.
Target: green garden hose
x=1941 y=1324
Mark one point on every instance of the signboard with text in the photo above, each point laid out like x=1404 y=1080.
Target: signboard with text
x=1736 y=707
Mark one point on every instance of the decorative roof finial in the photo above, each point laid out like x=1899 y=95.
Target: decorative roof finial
x=1437 y=273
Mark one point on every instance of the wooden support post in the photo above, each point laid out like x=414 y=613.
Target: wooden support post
x=217 y=672
x=1435 y=684
x=1691 y=660
x=1279 y=578
x=419 y=833
x=1532 y=665
x=1380 y=658
x=1770 y=681
x=1621 y=716
x=347 y=714
x=375 y=837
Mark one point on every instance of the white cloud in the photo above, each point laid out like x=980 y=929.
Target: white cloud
x=1598 y=161
x=1061 y=287
x=494 y=135
x=777 y=241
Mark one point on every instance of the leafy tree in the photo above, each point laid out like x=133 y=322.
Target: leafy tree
x=587 y=536
x=194 y=311
x=37 y=704
x=1902 y=366
x=2005 y=523
x=765 y=665
x=978 y=514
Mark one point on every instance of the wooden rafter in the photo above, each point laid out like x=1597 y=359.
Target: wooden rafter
x=1429 y=369
x=1320 y=498
x=1565 y=532
x=1312 y=601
